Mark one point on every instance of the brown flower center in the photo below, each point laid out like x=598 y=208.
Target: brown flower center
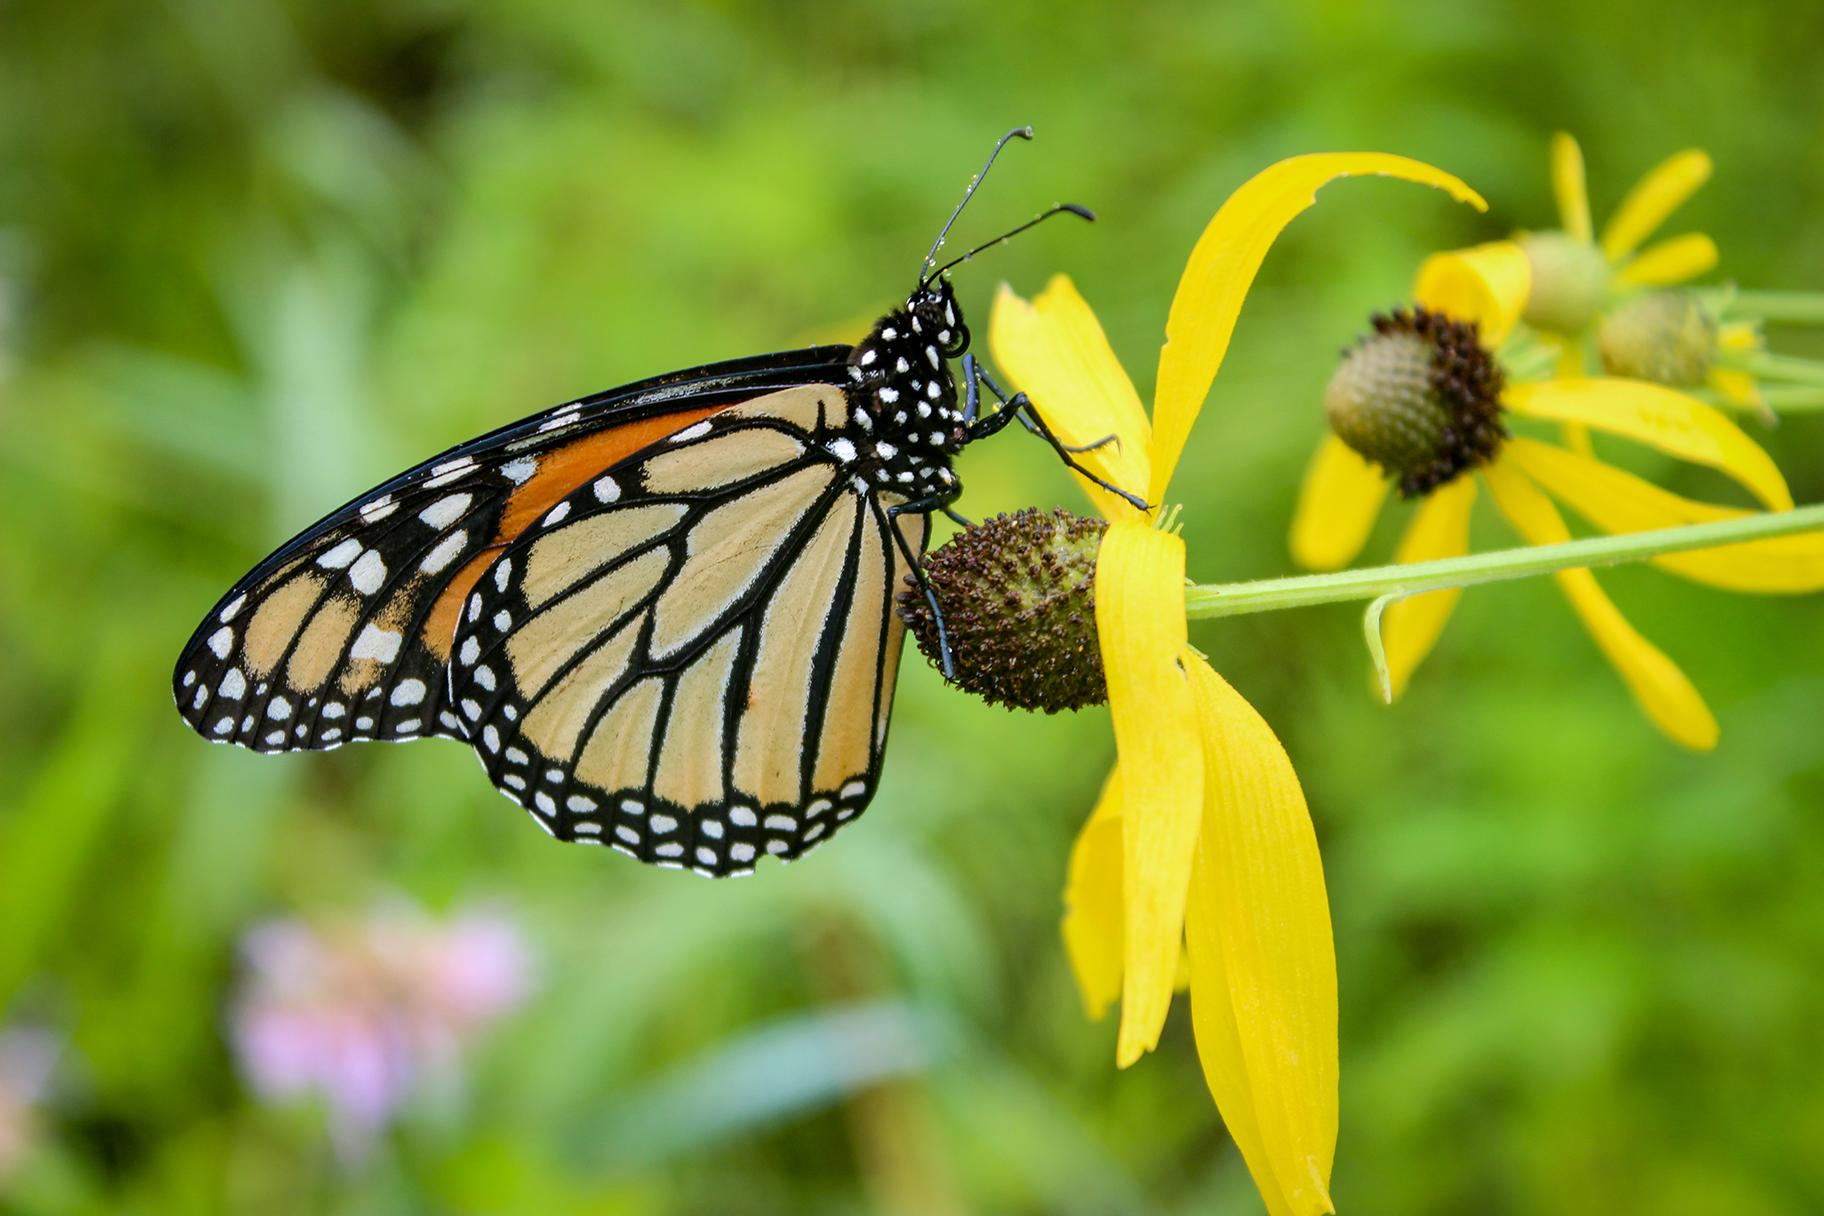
x=1018 y=594
x=1421 y=397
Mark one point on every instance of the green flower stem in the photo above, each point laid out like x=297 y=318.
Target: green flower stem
x=1385 y=585
x=1209 y=600
x=1793 y=399
x=1765 y=366
x=1799 y=306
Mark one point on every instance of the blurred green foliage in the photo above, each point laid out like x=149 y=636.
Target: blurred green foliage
x=255 y=257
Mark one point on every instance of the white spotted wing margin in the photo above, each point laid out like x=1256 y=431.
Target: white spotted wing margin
x=692 y=659
x=343 y=633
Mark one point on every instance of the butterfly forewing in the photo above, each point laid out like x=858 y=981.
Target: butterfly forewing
x=345 y=632
x=690 y=657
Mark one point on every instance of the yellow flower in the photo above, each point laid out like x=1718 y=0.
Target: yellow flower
x=1201 y=836
x=1575 y=271
x=1482 y=290
x=1577 y=274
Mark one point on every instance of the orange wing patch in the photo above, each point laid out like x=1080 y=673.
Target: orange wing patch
x=559 y=472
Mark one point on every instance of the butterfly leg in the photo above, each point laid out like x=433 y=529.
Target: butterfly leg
x=977 y=377
x=924 y=506
x=1020 y=406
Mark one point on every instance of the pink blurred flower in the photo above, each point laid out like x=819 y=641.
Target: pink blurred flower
x=26 y=1057
x=364 y=1013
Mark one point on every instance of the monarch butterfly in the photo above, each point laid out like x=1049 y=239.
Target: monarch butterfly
x=662 y=615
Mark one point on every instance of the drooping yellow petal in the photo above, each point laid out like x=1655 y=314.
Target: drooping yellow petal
x=1222 y=268
x=1141 y=630
x=1439 y=529
x=1569 y=188
x=1487 y=284
x=1670 y=261
x=1661 y=192
x=1225 y=1069
x=1659 y=687
x=1093 y=936
x=1617 y=501
x=1260 y=919
x=1054 y=350
x=1664 y=418
x=1337 y=505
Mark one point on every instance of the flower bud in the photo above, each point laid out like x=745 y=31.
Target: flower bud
x=1570 y=282
x=1018 y=595
x=1667 y=337
x=1420 y=397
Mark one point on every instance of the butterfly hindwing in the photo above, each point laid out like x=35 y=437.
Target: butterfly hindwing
x=691 y=656
x=344 y=633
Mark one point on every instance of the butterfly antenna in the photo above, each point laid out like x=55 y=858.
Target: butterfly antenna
x=1060 y=209
x=931 y=258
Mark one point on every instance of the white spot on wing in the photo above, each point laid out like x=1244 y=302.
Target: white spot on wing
x=221 y=642
x=408 y=692
x=234 y=684
x=519 y=471
x=341 y=555
x=694 y=431
x=556 y=514
x=451 y=470
x=381 y=645
x=444 y=553
x=607 y=489
x=446 y=510
x=369 y=573
x=234 y=606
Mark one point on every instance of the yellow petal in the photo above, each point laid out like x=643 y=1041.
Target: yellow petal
x=1140 y=627
x=1738 y=388
x=1617 y=501
x=1222 y=268
x=1670 y=261
x=1092 y=903
x=1439 y=529
x=1053 y=349
x=1660 y=417
x=1659 y=687
x=1569 y=187
x=1259 y=928
x=1661 y=192
x=1225 y=1068
x=1337 y=504
x=1487 y=284
x=1738 y=335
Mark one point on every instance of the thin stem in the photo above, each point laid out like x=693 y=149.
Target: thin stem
x=1799 y=306
x=1793 y=399
x=1765 y=366
x=1205 y=601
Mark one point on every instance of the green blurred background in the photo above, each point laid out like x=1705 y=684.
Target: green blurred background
x=255 y=257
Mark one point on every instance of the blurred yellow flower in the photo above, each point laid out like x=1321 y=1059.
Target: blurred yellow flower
x=1201 y=834
x=1469 y=301
x=1577 y=274
x=1575 y=271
